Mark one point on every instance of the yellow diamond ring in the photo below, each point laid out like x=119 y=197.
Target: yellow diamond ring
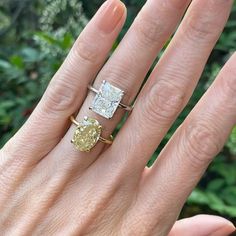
x=87 y=134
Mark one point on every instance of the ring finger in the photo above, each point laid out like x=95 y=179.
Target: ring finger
x=171 y=84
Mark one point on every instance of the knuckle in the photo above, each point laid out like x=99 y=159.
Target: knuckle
x=120 y=76
x=144 y=226
x=149 y=30
x=12 y=148
x=88 y=52
x=160 y=227
x=163 y=103
x=136 y=226
x=200 y=28
x=202 y=143
x=59 y=96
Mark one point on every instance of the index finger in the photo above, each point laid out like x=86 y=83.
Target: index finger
x=68 y=88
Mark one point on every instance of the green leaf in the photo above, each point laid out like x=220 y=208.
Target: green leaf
x=46 y=37
x=67 y=41
x=198 y=196
x=229 y=195
x=5 y=120
x=4 y=64
x=17 y=61
x=7 y=104
x=30 y=54
x=226 y=171
x=213 y=199
x=215 y=185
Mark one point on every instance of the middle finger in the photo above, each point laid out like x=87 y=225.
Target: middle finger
x=130 y=63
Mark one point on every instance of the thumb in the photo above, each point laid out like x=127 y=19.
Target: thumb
x=202 y=225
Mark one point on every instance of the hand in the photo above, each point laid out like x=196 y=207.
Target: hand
x=50 y=188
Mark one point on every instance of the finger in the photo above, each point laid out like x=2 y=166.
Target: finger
x=64 y=95
x=202 y=225
x=68 y=88
x=170 y=85
x=189 y=152
x=129 y=64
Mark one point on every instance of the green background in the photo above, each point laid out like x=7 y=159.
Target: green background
x=35 y=37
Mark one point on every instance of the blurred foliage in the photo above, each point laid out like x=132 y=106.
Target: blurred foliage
x=35 y=37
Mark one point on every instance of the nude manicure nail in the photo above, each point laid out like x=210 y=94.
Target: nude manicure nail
x=111 y=14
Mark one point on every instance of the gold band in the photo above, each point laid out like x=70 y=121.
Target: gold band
x=82 y=134
x=74 y=121
x=107 y=141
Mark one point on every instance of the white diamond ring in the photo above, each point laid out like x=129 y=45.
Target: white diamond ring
x=107 y=100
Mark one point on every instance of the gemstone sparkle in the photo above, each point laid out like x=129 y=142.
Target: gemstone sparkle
x=107 y=100
x=87 y=134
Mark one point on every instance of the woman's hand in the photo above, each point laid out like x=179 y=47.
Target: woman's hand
x=50 y=188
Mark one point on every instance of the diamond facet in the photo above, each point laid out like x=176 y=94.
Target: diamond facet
x=107 y=100
x=87 y=134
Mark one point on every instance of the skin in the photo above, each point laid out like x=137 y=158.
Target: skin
x=50 y=188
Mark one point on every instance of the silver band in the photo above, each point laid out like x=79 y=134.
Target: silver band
x=121 y=105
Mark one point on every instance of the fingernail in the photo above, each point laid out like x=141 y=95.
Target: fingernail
x=226 y=230
x=111 y=14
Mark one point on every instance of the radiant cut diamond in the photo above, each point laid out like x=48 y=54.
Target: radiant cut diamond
x=107 y=100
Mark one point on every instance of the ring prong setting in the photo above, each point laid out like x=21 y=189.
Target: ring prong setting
x=107 y=100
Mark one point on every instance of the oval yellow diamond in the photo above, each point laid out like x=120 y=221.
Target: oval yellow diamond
x=87 y=134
